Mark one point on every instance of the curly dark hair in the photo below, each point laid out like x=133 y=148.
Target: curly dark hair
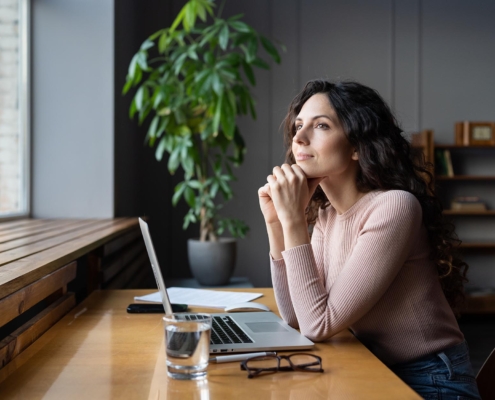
x=387 y=161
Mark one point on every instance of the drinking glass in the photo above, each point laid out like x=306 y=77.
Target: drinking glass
x=187 y=345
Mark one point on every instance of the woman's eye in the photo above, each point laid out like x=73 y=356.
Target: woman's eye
x=322 y=126
x=298 y=127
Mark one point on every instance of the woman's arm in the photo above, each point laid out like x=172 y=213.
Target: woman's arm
x=273 y=226
x=380 y=251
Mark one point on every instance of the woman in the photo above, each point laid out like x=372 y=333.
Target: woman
x=380 y=259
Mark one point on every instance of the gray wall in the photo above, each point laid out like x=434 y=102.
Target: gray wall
x=72 y=103
x=433 y=62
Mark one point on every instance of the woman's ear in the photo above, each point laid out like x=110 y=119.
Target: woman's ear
x=355 y=155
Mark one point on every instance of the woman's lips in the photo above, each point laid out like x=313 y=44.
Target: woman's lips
x=303 y=156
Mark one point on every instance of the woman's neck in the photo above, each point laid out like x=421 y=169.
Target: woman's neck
x=342 y=195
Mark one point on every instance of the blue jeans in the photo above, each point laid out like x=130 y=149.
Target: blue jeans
x=447 y=375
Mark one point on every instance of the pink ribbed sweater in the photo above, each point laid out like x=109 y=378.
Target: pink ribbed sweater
x=368 y=270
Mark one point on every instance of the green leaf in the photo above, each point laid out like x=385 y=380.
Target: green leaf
x=217 y=84
x=162 y=43
x=144 y=113
x=132 y=66
x=179 y=63
x=160 y=150
x=205 y=87
x=178 y=19
x=190 y=197
x=190 y=217
x=132 y=109
x=147 y=44
x=228 y=115
x=138 y=74
x=139 y=97
x=241 y=38
x=240 y=26
x=260 y=63
x=201 y=11
x=128 y=85
x=188 y=166
x=226 y=190
x=191 y=53
x=201 y=76
x=163 y=125
x=239 y=148
x=209 y=58
x=174 y=160
x=252 y=49
x=157 y=98
x=249 y=73
x=179 y=189
x=270 y=49
x=153 y=126
x=223 y=39
x=190 y=16
x=252 y=107
x=217 y=116
x=184 y=130
x=194 y=184
x=209 y=35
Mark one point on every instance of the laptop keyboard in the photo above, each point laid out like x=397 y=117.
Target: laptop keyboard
x=224 y=330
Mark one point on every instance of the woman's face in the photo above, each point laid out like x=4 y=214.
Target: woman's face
x=320 y=146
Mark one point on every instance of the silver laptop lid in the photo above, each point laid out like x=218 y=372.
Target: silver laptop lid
x=156 y=267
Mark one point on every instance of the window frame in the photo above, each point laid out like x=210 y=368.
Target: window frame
x=24 y=88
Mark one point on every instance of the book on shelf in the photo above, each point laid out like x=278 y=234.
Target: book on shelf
x=467 y=203
x=443 y=163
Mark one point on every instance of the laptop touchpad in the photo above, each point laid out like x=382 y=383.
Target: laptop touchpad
x=260 y=327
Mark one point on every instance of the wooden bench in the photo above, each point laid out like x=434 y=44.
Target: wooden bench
x=48 y=266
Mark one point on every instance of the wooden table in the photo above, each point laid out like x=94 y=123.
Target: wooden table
x=98 y=351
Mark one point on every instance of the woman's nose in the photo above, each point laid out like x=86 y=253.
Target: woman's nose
x=300 y=136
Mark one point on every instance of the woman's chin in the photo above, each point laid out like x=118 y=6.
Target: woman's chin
x=308 y=171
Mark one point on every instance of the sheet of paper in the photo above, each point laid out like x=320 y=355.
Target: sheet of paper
x=200 y=297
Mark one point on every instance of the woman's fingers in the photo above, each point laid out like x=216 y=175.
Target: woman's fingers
x=297 y=170
x=264 y=191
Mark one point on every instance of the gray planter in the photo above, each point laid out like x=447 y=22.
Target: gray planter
x=212 y=263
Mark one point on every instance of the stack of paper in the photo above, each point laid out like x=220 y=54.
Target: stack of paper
x=201 y=297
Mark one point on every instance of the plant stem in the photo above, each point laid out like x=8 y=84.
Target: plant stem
x=221 y=9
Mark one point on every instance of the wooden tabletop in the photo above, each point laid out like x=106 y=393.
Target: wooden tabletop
x=98 y=351
x=32 y=248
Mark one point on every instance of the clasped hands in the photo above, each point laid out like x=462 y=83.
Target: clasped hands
x=285 y=196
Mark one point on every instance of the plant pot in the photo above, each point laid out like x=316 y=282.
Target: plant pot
x=212 y=263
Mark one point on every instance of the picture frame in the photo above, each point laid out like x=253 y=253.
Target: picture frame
x=468 y=133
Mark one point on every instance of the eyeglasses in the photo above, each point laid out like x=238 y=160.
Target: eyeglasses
x=265 y=365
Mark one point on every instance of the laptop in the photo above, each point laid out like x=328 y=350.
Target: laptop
x=237 y=332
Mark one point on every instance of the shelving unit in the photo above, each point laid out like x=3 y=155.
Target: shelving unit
x=448 y=187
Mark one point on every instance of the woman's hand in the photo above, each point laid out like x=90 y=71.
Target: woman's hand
x=290 y=192
x=266 y=205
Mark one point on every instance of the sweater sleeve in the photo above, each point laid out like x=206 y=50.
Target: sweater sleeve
x=384 y=241
x=282 y=294
x=280 y=284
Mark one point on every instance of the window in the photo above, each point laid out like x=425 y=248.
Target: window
x=14 y=108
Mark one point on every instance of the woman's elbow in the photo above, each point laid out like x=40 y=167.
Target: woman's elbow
x=315 y=335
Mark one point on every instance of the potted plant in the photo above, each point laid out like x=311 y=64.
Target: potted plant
x=193 y=79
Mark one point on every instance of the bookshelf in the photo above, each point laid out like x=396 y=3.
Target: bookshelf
x=472 y=174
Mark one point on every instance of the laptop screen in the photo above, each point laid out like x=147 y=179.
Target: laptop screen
x=156 y=267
